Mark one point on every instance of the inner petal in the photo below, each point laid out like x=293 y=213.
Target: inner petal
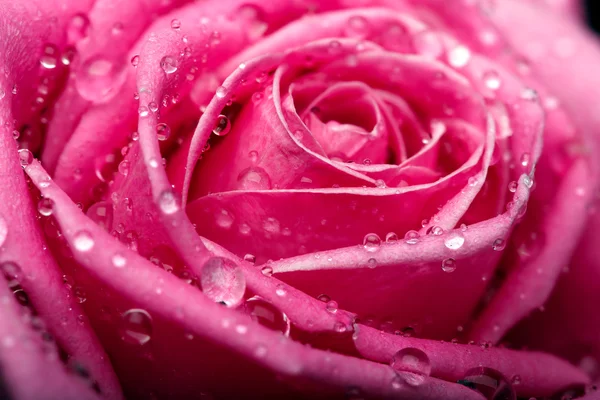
x=345 y=120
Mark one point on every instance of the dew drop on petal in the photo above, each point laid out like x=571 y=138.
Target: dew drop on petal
x=49 y=59
x=454 y=241
x=449 y=265
x=492 y=80
x=254 y=178
x=251 y=258
x=411 y=237
x=175 y=24
x=459 y=56
x=45 y=207
x=499 y=244
x=167 y=202
x=224 y=219
x=12 y=273
x=136 y=326
x=490 y=383
x=3 y=230
x=391 y=237
x=223 y=281
x=221 y=92
x=332 y=306
x=168 y=64
x=267 y=271
x=222 y=126
x=357 y=27
x=371 y=242
x=512 y=186
x=135 y=60
x=95 y=79
x=26 y=157
x=267 y=315
x=143 y=111
x=163 y=131
x=83 y=241
x=413 y=364
x=118 y=260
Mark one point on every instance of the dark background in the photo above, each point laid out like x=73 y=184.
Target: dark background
x=592 y=8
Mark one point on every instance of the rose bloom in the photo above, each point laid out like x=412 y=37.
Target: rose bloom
x=299 y=199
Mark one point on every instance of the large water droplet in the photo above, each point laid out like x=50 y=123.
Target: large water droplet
x=254 y=178
x=499 y=244
x=163 y=131
x=222 y=126
x=267 y=315
x=95 y=79
x=175 y=24
x=167 y=202
x=414 y=364
x=25 y=157
x=45 y=207
x=102 y=214
x=357 y=27
x=492 y=80
x=454 y=241
x=411 y=237
x=83 y=241
x=490 y=383
x=449 y=265
x=3 y=230
x=49 y=58
x=459 y=56
x=12 y=273
x=271 y=225
x=224 y=219
x=119 y=260
x=371 y=242
x=168 y=64
x=223 y=281
x=136 y=326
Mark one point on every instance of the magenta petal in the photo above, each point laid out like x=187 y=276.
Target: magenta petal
x=538 y=374
x=238 y=340
x=26 y=372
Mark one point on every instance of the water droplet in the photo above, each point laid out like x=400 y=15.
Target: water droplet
x=153 y=106
x=371 y=242
x=3 y=230
x=83 y=241
x=49 y=59
x=119 y=260
x=221 y=92
x=163 y=131
x=167 y=202
x=459 y=56
x=267 y=315
x=528 y=181
x=143 y=111
x=280 y=290
x=411 y=237
x=512 y=186
x=372 y=263
x=449 y=265
x=436 y=231
x=414 y=365
x=168 y=64
x=244 y=229
x=175 y=24
x=428 y=44
x=357 y=27
x=499 y=244
x=12 y=273
x=222 y=126
x=516 y=380
x=102 y=214
x=525 y=160
x=529 y=94
x=454 y=241
x=332 y=306
x=492 y=80
x=266 y=271
x=254 y=21
x=25 y=157
x=391 y=237
x=251 y=258
x=490 y=383
x=224 y=219
x=95 y=79
x=124 y=167
x=254 y=178
x=136 y=326
x=135 y=60
x=78 y=27
x=223 y=281
x=68 y=56
x=45 y=206
x=271 y=226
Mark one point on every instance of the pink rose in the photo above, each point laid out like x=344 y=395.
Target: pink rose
x=298 y=199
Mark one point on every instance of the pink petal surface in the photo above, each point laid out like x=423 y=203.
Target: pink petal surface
x=178 y=306
x=540 y=374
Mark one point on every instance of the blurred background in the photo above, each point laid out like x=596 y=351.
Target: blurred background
x=592 y=8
